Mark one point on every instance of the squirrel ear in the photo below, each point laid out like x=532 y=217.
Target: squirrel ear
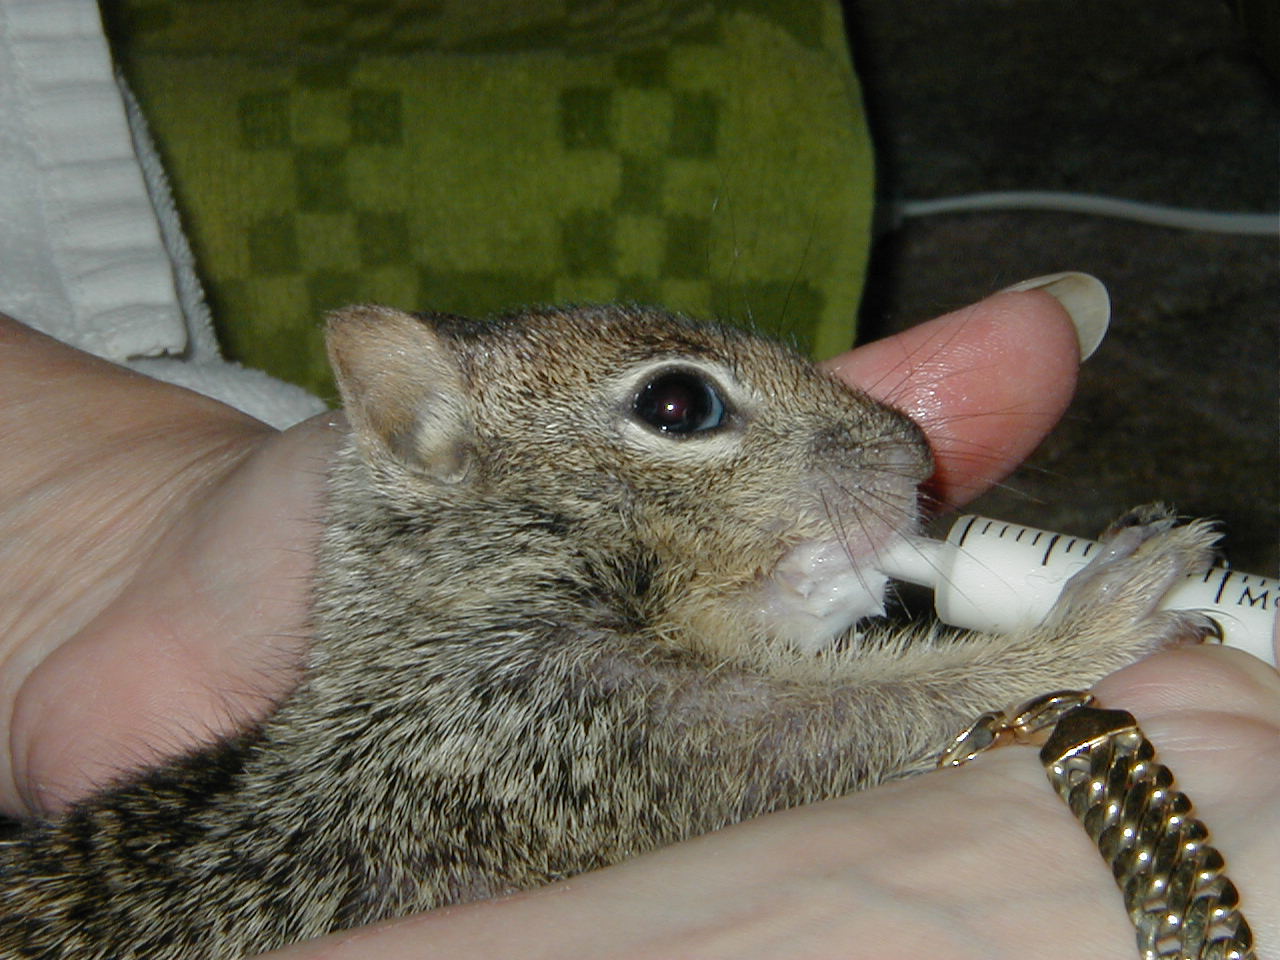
x=402 y=390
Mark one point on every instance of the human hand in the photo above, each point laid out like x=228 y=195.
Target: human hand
x=155 y=548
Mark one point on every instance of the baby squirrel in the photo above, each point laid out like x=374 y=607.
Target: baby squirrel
x=585 y=590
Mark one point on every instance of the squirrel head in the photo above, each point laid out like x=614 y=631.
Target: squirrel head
x=729 y=492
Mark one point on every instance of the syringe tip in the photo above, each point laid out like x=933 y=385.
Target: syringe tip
x=913 y=559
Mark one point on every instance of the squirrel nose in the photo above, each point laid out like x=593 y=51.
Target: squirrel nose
x=899 y=449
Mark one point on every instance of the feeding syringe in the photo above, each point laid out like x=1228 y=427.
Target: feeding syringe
x=997 y=576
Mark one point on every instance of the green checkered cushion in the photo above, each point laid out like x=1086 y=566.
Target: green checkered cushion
x=478 y=155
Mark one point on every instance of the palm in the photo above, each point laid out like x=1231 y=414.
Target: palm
x=156 y=555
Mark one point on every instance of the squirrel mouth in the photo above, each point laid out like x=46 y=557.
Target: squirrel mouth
x=821 y=589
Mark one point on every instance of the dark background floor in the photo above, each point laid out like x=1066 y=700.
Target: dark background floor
x=1158 y=102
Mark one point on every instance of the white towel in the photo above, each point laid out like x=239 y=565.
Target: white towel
x=91 y=249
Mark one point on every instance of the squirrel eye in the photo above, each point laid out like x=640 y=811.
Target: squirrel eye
x=680 y=402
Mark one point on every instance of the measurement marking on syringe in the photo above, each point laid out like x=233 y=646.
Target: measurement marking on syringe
x=1222 y=585
x=964 y=534
x=1048 y=552
x=1247 y=597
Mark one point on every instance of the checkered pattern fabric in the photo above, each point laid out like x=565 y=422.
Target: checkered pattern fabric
x=479 y=155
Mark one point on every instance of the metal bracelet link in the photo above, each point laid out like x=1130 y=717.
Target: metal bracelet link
x=1180 y=901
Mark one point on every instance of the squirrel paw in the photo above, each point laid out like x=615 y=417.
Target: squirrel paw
x=1143 y=554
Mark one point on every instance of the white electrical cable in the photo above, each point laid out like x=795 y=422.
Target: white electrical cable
x=1208 y=221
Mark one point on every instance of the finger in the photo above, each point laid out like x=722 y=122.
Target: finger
x=986 y=383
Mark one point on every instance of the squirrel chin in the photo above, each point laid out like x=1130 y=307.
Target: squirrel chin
x=818 y=591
